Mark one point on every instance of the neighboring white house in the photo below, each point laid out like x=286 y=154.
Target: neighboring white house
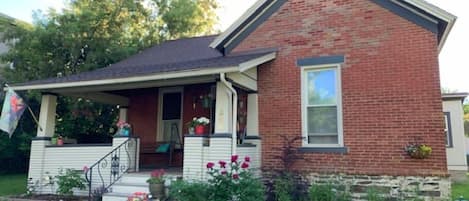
x=467 y=147
x=456 y=147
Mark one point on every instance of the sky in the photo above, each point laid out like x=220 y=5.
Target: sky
x=454 y=70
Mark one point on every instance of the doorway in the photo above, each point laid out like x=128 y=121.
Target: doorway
x=170 y=117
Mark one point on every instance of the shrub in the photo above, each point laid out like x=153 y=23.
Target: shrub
x=229 y=181
x=188 y=191
x=69 y=180
x=234 y=182
x=327 y=192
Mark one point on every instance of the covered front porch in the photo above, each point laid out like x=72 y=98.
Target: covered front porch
x=157 y=110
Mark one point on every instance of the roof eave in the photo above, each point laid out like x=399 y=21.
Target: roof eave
x=451 y=96
x=202 y=71
x=220 y=42
x=217 y=42
x=449 y=18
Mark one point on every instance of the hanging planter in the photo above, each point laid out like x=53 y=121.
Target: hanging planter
x=418 y=151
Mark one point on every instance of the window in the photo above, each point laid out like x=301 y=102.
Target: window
x=448 y=134
x=321 y=110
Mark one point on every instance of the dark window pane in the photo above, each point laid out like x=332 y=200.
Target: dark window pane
x=171 y=106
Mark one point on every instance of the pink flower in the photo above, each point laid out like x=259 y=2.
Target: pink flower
x=210 y=165
x=235 y=176
x=247 y=159
x=157 y=173
x=222 y=164
x=85 y=169
x=223 y=172
x=234 y=158
x=245 y=165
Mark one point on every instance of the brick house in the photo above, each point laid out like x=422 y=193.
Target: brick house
x=358 y=80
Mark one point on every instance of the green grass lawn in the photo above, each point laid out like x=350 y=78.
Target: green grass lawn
x=460 y=189
x=13 y=184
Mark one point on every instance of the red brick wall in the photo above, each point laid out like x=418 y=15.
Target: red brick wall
x=192 y=103
x=142 y=114
x=390 y=85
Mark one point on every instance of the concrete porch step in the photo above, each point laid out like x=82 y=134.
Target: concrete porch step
x=135 y=182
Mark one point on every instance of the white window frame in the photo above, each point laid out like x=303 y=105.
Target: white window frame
x=304 y=93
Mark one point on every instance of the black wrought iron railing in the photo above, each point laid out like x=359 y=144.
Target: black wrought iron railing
x=111 y=167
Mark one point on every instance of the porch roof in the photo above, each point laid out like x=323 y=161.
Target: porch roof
x=173 y=59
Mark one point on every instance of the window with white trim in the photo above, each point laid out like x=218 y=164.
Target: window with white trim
x=321 y=106
x=448 y=135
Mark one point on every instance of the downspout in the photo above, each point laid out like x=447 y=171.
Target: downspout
x=234 y=100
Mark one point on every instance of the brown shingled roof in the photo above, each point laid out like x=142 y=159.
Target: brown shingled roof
x=171 y=56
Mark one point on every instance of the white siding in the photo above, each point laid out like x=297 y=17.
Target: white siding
x=456 y=156
x=197 y=155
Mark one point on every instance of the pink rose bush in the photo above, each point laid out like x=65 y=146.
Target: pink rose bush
x=233 y=180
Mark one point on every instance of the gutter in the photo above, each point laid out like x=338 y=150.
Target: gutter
x=234 y=108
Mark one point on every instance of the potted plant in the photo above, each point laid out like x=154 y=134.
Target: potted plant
x=418 y=150
x=191 y=125
x=60 y=141
x=123 y=128
x=199 y=124
x=156 y=182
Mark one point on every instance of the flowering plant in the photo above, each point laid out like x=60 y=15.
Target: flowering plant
x=138 y=196
x=123 y=125
x=156 y=177
x=234 y=181
x=198 y=121
x=417 y=150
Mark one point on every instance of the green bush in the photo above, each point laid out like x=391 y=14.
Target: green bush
x=68 y=181
x=283 y=188
x=182 y=190
x=373 y=195
x=231 y=181
x=327 y=192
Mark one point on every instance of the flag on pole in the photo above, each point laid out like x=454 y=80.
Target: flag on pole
x=13 y=108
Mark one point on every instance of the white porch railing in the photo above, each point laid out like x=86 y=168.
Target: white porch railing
x=47 y=160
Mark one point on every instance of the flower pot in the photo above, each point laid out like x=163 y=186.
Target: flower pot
x=53 y=141
x=157 y=190
x=191 y=130
x=199 y=129
x=60 y=142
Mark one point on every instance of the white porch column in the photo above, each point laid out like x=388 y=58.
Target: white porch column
x=123 y=113
x=252 y=122
x=46 y=126
x=223 y=109
x=45 y=131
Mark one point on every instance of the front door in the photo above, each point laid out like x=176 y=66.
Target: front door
x=170 y=118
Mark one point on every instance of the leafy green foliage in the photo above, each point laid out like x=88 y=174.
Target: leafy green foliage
x=68 y=181
x=327 y=192
x=373 y=195
x=234 y=181
x=231 y=181
x=184 y=191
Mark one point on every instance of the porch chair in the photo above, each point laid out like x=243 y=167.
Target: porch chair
x=168 y=147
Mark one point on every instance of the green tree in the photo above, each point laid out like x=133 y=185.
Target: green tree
x=90 y=34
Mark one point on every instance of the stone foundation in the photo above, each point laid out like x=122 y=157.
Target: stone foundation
x=393 y=187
